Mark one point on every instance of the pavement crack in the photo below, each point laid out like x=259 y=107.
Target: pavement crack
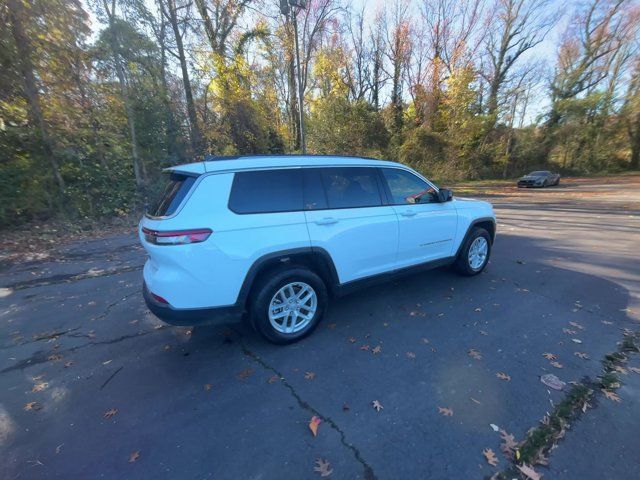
x=111 y=377
x=368 y=471
x=71 y=277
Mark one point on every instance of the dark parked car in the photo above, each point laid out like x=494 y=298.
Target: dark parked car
x=541 y=179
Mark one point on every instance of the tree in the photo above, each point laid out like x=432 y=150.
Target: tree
x=518 y=26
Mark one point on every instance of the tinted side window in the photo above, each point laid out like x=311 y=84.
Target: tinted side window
x=406 y=188
x=351 y=187
x=173 y=194
x=266 y=191
x=314 y=194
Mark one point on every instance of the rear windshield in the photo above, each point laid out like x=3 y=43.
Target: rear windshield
x=173 y=194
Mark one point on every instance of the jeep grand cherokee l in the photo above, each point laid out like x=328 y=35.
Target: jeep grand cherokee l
x=277 y=236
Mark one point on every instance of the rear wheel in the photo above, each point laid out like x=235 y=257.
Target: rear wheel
x=288 y=304
x=475 y=252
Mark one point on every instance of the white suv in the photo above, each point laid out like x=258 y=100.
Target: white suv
x=276 y=236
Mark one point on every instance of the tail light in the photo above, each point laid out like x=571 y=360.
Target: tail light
x=176 y=237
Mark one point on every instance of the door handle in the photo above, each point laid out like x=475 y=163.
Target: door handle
x=408 y=213
x=326 y=221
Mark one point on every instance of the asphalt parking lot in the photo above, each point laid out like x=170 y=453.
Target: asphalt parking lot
x=94 y=386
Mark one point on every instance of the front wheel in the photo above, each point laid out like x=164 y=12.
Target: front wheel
x=475 y=252
x=288 y=304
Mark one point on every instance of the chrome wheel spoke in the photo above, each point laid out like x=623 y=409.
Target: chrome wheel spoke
x=292 y=307
x=478 y=252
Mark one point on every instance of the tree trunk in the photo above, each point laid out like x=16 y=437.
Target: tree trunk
x=196 y=136
x=293 y=86
x=30 y=88
x=138 y=169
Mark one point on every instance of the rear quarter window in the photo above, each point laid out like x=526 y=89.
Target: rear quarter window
x=267 y=191
x=174 y=192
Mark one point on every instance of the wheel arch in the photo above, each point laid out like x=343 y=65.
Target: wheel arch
x=316 y=259
x=488 y=223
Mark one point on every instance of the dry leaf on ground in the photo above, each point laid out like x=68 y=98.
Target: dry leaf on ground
x=352 y=340
x=549 y=356
x=473 y=353
x=490 y=456
x=529 y=472
x=244 y=374
x=110 y=413
x=134 y=456
x=32 y=406
x=207 y=387
x=581 y=355
x=635 y=370
x=314 y=423
x=364 y=347
x=273 y=378
x=377 y=349
x=377 y=405
x=552 y=381
x=447 y=412
x=557 y=364
x=323 y=467
x=38 y=387
x=309 y=375
x=611 y=395
x=510 y=445
x=503 y=376
x=411 y=355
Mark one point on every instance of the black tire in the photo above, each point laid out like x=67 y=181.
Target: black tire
x=462 y=264
x=269 y=285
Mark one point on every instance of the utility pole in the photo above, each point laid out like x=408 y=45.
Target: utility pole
x=289 y=7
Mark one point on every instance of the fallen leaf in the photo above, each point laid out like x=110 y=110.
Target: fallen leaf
x=577 y=325
x=364 y=347
x=207 y=387
x=38 y=387
x=557 y=364
x=134 y=456
x=447 y=412
x=581 y=355
x=314 y=423
x=411 y=355
x=32 y=406
x=482 y=332
x=345 y=408
x=477 y=309
x=323 y=467
x=473 y=353
x=55 y=357
x=503 y=376
x=475 y=401
x=635 y=370
x=377 y=349
x=521 y=262
x=529 y=472
x=569 y=331
x=352 y=340
x=244 y=374
x=611 y=395
x=549 y=356
x=490 y=456
x=509 y=445
x=621 y=370
x=309 y=375
x=606 y=322
x=68 y=364
x=575 y=340
x=424 y=340
x=59 y=448
x=415 y=313
x=494 y=427
x=377 y=405
x=110 y=413
x=552 y=381
x=167 y=347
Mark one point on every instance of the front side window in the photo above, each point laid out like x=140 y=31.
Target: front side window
x=351 y=187
x=266 y=191
x=407 y=188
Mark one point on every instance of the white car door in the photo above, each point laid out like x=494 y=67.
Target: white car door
x=346 y=217
x=427 y=229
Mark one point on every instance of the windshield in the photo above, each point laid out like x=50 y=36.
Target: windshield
x=172 y=195
x=538 y=174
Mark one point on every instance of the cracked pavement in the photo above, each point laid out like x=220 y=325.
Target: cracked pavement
x=219 y=402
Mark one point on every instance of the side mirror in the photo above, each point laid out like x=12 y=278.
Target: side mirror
x=444 y=195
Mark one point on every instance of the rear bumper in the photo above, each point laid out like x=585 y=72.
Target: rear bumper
x=187 y=317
